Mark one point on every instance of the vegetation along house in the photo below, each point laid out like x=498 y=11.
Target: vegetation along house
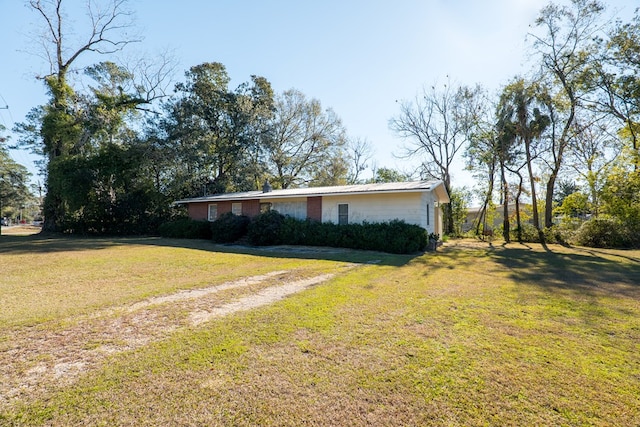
x=413 y=202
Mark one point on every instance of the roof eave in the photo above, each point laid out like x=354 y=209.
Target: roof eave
x=436 y=186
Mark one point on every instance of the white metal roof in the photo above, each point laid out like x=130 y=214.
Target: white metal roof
x=387 y=187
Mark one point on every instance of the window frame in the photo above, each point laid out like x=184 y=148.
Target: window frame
x=428 y=215
x=343 y=217
x=236 y=208
x=265 y=207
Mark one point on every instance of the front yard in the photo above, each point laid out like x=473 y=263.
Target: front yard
x=171 y=332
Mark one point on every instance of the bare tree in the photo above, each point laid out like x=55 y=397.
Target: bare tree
x=437 y=126
x=106 y=26
x=304 y=137
x=360 y=153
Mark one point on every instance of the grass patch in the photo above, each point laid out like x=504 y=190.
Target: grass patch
x=470 y=335
x=45 y=279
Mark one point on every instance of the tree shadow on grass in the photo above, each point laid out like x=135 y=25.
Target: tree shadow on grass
x=574 y=269
x=51 y=243
x=294 y=252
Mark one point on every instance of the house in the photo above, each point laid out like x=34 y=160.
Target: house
x=496 y=216
x=413 y=202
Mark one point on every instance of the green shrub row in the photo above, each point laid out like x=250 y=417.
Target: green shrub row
x=607 y=232
x=185 y=228
x=396 y=236
x=601 y=232
x=272 y=228
x=229 y=228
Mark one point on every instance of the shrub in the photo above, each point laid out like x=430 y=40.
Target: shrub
x=528 y=233
x=297 y=232
x=228 y=228
x=403 y=238
x=265 y=229
x=185 y=228
x=603 y=232
x=394 y=237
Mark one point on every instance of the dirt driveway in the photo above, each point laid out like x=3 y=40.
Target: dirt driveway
x=34 y=359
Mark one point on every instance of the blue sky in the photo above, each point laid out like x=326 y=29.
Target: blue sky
x=358 y=57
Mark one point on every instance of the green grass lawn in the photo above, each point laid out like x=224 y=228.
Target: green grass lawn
x=475 y=334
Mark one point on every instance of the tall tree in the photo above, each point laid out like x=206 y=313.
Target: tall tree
x=218 y=136
x=621 y=199
x=524 y=120
x=593 y=153
x=617 y=74
x=506 y=135
x=330 y=171
x=60 y=127
x=565 y=49
x=437 y=125
x=303 y=137
x=482 y=158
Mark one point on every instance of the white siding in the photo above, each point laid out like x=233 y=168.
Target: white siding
x=409 y=207
x=296 y=208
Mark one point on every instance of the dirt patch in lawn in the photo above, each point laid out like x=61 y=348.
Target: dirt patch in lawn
x=35 y=359
x=20 y=230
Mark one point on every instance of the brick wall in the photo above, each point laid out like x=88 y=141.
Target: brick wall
x=251 y=208
x=223 y=208
x=198 y=211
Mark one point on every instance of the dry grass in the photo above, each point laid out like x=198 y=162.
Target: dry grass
x=45 y=279
x=472 y=335
x=20 y=230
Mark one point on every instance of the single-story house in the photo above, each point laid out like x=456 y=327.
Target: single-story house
x=413 y=202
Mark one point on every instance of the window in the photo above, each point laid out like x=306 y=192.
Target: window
x=343 y=214
x=236 y=208
x=213 y=212
x=428 y=215
x=265 y=207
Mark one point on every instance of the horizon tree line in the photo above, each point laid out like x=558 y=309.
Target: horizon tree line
x=120 y=142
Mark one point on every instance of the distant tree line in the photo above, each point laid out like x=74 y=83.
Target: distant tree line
x=118 y=147
x=14 y=190
x=562 y=138
x=120 y=142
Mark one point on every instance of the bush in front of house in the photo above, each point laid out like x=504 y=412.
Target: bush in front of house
x=265 y=229
x=228 y=228
x=396 y=236
x=185 y=228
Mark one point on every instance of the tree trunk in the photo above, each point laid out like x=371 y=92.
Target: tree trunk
x=548 y=208
x=506 y=231
x=518 y=220
x=483 y=211
x=534 y=200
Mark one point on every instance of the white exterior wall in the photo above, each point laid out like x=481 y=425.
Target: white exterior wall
x=434 y=215
x=409 y=207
